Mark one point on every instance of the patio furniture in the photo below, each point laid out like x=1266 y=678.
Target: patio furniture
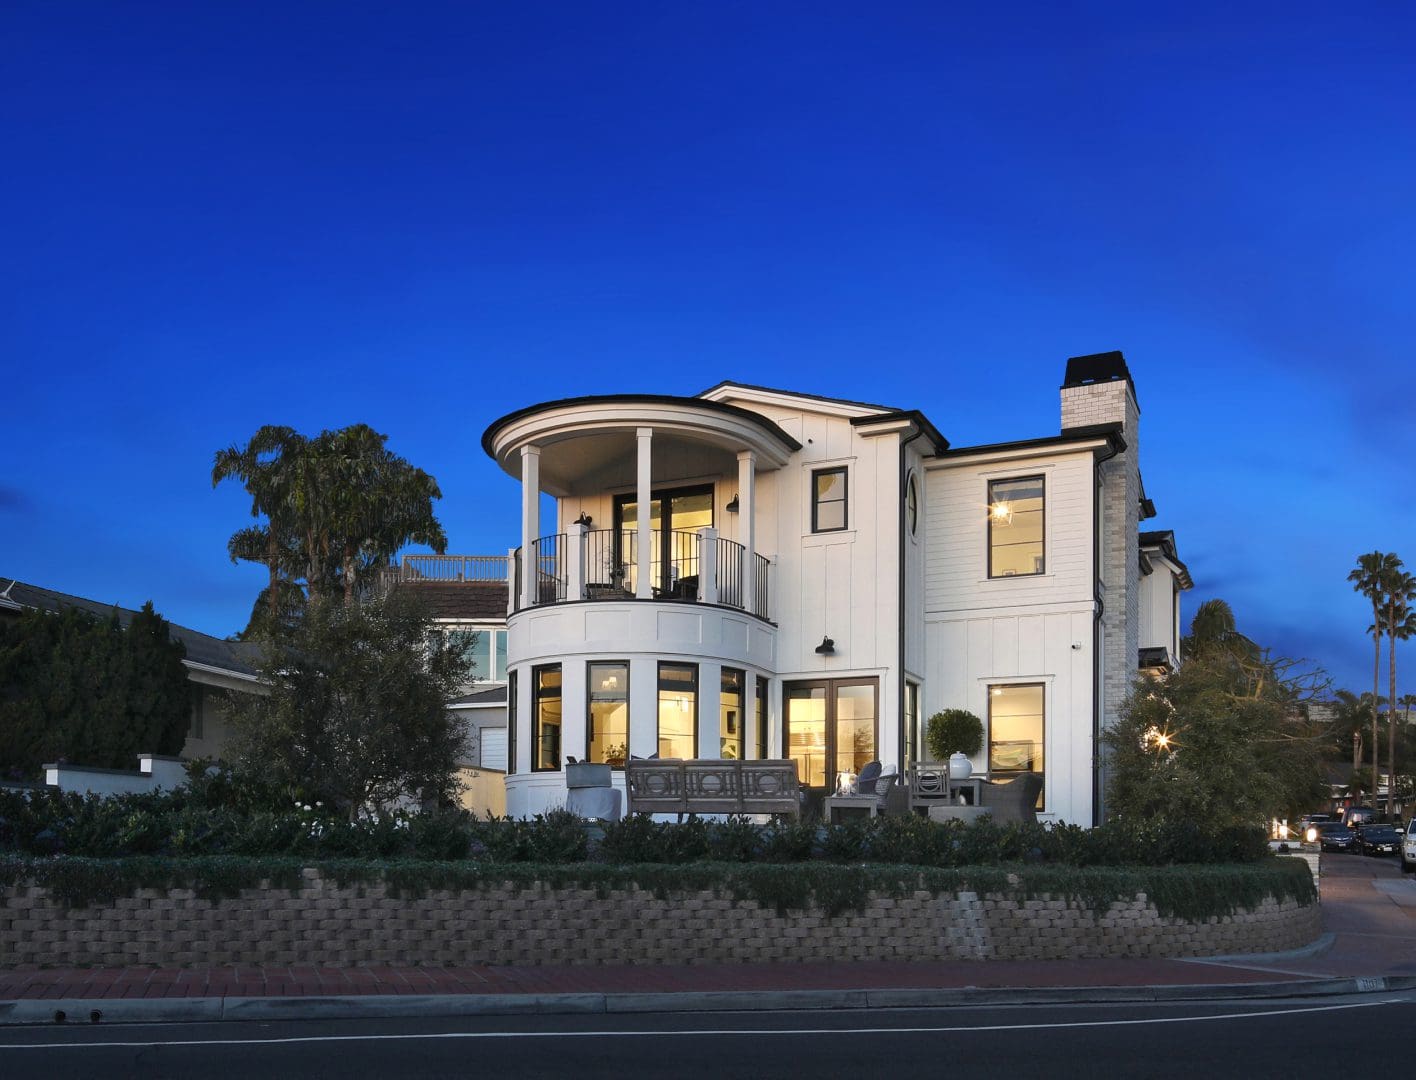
x=841 y=807
x=710 y=786
x=1014 y=801
x=928 y=785
x=958 y=812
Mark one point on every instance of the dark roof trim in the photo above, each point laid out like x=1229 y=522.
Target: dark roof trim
x=738 y=411
x=1110 y=432
x=1165 y=540
x=1157 y=656
x=915 y=417
x=798 y=393
x=1104 y=367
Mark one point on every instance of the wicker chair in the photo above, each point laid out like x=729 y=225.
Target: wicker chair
x=1015 y=801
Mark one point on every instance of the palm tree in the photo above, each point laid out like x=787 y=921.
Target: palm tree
x=1369 y=578
x=1400 y=590
x=1349 y=713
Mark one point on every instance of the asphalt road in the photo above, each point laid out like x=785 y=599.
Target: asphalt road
x=1299 y=1038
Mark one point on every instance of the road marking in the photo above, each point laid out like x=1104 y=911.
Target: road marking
x=752 y=1032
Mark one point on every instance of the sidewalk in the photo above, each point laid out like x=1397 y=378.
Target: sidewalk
x=1369 y=915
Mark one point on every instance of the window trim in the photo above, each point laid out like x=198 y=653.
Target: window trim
x=845 y=500
x=831 y=686
x=536 y=717
x=589 y=701
x=697 y=699
x=912 y=504
x=1041 y=478
x=1042 y=687
x=759 y=709
x=742 y=674
x=511 y=719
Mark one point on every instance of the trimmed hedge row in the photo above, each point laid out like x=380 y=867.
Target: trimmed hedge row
x=179 y=825
x=1186 y=892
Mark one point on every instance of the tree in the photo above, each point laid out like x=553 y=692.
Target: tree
x=1349 y=714
x=1400 y=590
x=335 y=507
x=357 y=710
x=953 y=731
x=1369 y=578
x=78 y=688
x=1223 y=740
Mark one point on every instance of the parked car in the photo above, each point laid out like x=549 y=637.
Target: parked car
x=1357 y=815
x=1408 y=848
x=1377 y=840
x=1335 y=836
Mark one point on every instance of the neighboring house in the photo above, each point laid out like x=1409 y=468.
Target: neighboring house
x=214 y=668
x=762 y=573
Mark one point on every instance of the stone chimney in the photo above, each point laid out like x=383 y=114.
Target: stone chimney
x=1097 y=390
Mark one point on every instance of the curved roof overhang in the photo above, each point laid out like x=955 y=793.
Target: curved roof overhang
x=588 y=444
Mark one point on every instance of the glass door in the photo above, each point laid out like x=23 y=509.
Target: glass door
x=831 y=727
x=675 y=516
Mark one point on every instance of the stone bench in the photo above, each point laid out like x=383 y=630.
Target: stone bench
x=707 y=786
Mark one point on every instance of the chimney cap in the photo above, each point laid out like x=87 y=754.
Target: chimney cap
x=1097 y=368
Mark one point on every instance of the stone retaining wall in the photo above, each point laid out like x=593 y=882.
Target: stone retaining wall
x=323 y=923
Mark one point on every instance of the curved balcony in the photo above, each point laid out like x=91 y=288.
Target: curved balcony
x=604 y=564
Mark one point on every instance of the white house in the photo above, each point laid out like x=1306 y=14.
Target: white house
x=815 y=577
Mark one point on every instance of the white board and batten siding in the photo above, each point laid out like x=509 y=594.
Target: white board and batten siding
x=1034 y=629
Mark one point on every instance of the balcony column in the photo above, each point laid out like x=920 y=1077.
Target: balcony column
x=530 y=521
x=708 y=566
x=747 y=528
x=575 y=561
x=644 y=498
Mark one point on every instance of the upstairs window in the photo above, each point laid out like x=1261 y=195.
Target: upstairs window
x=828 y=500
x=1015 y=527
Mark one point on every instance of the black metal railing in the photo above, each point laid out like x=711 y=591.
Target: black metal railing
x=547 y=557
x=730 y=570
x=610 y=563
x=759 y=588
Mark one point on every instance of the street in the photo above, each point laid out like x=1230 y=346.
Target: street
x=1296 y=1038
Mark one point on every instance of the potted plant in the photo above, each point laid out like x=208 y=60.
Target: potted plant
x=954 y=735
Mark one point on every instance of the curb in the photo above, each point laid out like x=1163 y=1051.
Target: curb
x=376 y=1006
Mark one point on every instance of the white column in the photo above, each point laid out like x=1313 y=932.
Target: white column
x=708 y=566
x=747 y=526
x=512 y=594
x=530 y=521
x=644 y=494
x=575 y=562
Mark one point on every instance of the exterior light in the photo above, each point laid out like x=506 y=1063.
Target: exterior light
x=584 y=520
x=1001 y=513
x=827 y=647
x=732 y=506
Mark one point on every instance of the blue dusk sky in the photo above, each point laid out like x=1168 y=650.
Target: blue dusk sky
x=424 y=216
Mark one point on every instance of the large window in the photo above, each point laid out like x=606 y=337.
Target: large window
x=1015 y=731
x=730 y=715
x=761 y=713
x=546 y=718
x=828 y=500
x=674 y=520
x=607 y=717
x=1015 y=527
x=511 y=722
x=486 y=652
x=678 y=710
x=830 y=727
x=911 y=722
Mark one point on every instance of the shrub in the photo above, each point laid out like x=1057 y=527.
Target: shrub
x=953 y=731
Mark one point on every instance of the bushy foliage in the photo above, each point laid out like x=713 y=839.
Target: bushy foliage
x=953 y=731
x=356 y=713
x=82 y=689
x=191 y=823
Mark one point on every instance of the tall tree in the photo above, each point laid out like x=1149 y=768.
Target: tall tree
x=1401 y=625
x=1349 y=714
x=335 y=507
x=1369 y=578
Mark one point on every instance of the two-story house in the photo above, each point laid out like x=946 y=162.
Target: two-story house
x=763 y=573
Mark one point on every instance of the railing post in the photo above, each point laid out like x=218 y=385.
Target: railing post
x=575 y=561
x=747 y=527
x=708 y=565
x=511 y=581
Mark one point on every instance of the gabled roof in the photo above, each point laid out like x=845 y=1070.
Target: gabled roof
x=1162 y=542
x=202 y=649
x=1110 y=432
x=728 y=384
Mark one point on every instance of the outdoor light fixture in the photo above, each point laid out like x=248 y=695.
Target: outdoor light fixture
x=584 y=519
x=1001 y=513
x=732 y=506
x=827 y=647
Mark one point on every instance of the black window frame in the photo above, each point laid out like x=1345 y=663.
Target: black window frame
x=697 y=699
x=912 y=504
x=1041 y=478
x=511 y=719
x=590 y=666
x=989 y=742
x=759 y=709
x=536 y=698
x=845 y=474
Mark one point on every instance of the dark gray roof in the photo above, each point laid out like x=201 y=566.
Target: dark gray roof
x=493 y=695
x=461 y=599
x=235 y=656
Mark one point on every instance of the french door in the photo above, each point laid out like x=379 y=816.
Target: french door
x=831 y=726
x=675 y=516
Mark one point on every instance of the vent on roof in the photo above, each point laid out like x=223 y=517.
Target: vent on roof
x=1096 y=368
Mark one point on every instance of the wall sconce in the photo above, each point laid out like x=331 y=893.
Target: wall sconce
x=827 y=647
x=584 y=520
x=732 y=506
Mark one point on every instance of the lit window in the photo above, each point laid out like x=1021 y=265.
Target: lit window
x=1015 y=518
x=546 y=718
x=761 y=713
x=607 y=724
x=511 y=722
x=828 y=500
x=1015 y=731
x=730 y=714
x=678 y=711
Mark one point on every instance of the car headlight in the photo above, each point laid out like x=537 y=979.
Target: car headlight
x=1311 y=835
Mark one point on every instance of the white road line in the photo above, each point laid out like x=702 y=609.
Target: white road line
x=754 y=1033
